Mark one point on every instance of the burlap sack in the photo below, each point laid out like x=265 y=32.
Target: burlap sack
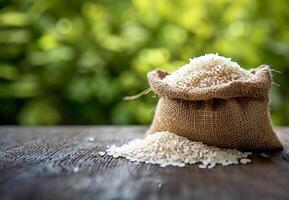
x=233 y=115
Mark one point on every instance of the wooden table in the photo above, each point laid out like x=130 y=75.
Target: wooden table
x=63 y=163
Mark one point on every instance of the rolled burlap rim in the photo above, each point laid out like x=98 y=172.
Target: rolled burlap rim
x=256 y=87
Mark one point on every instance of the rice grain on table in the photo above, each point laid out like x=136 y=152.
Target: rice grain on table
x=168 y=149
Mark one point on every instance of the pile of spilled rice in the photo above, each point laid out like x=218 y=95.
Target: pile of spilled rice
x=207 y=110
x=166 y=148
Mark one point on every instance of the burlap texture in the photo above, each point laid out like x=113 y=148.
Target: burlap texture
x=233 y=115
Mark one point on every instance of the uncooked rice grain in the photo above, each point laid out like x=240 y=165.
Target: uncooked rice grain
x=168 y=149
x=207 y=71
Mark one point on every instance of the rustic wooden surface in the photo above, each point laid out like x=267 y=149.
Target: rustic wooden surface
x=38 y=163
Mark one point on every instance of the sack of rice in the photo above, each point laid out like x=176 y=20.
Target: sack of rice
x=214 y=101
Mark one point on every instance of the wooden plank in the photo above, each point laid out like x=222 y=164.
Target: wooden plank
x=40 y=163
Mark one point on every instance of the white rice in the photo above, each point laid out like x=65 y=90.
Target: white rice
x=207 y=71
x=166 y=148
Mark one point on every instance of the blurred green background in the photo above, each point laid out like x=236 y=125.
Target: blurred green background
x=73 y=61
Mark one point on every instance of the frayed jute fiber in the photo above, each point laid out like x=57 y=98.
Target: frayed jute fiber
x=232 y=115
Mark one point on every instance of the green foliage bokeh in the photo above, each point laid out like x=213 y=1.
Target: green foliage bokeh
x=73 y=61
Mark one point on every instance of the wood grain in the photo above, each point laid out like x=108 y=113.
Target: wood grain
x=38 y=163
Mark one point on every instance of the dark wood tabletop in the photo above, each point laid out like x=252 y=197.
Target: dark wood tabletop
x=64 y=163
